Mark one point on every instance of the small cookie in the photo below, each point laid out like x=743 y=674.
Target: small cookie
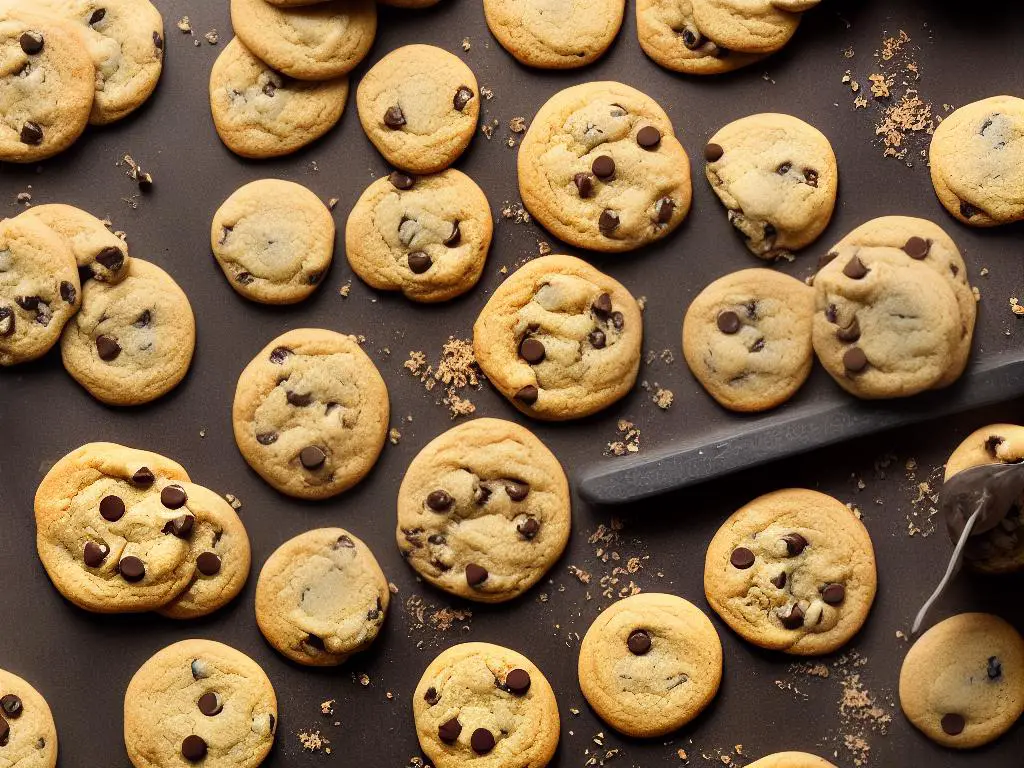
x=321 y=597
x=977 y=162
x=792 y=571
x=962 y=682
x=484 y=511
x=560 y=35
x=777 y=177
x=601 y=168
x=274 y=240
x=650 y=664
x=28 y=737
x=426 y=236
x=311 y=413
x=314 y=42
x=791 y=760
x=482 y=704
x=560 y=339
x=132 y=342
x=419 y=105
x=747 y=338
x=101 y=255
x=199 y=701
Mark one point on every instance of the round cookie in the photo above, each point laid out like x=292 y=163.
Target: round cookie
x=321 y=597
x=199 y=701
x=314 y=42
x=747 y=338
x=28 y=736
x=131 y=342
x=274 y=240
x=39 y=289
x=484 y=511
x=962 y=682
x=555 y=35
x=977 y=162
x=750 y=26
x=560 y=339
x=791 y=760
x=792 y=571
x=100 y=254
x=426 y=236
x=311 y=413
x=601 y=168
x=777 y=177
x=419 y=105
x=479 y=704
x=650 y=664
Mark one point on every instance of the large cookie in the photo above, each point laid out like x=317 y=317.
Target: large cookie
x=28 y=737
x=101 y=255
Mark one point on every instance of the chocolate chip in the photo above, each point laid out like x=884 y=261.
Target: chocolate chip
x=602 y=305
x=854 y=360
x=455 y=237
x=158 y=41
x=394 y=118
x=110 y=257
x=476 y=574
x=6 y=321
x=648 y=137
x=107 y=348
x=97 y=16
x=193 y=748
x=132 y=569
x=691 y=37
x=728 y=322
x=279 y=354
x=967 y=210
x=245 y=278
x=832 y=313
x=529 y=528
x=95 y=554
x=402 y=181
x=314 y=278
x=603 y=167
x=28 y=303
x=528 y=395
x=793 y=619
x=995 y=668
x=440 y=501
x=449 y=732
x=741 y=558
x=462 y=97
x=993 y=442
x=531 y=350
x=31 y=43
x=795 y=544
x=11 y=705
x=811 y=177
x=855 y=269
x=181 y=526
x=783 y=169
x=639 y=642
x=917 y=248
x=431 y=696
x=517 y=490
x=299 y=400
x=419 y=262
x=112 y=508
x=584 y=184
x=209 y=704
x=68 y=292
x=173 y=497
x=143 y=477
x=665 y=210
x=315 y=642
x=145 y=180
x=608 y=222
x=758 y=345
x=312 y=457
x=779 y=581
x=618 y=320
x=482 y=741
x=833 y=594
x=31 y=133
x=850 y=333
x=713 y=153
x=953 y=724
x=5 y=732
x=481 y=494
x=344 y=542
x=208 y=563
x=266 y=438
x=597 y=339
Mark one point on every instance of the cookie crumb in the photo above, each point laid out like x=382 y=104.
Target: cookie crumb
x=332 y=203
x=1016 y=307
x=517 y=124
x=486 y=92
x=582 y=575
x=24 y=198
x=314 y=741
x=345 y=290
x=663 y=398
x=543 y=248
x=466 y=44
x=394 y=436
x=212 y=37
x=327 y=707
x=437 y=620
x=234 y=501
x=628 y=442
x=185 y=25
x=516 y=213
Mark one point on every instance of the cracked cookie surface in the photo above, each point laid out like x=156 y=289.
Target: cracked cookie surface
x=791 y=760
x=100 y=254
x=28 y=736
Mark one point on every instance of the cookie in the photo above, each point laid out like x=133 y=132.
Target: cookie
x=199 y=701
x=482 y=704
x=792 y=571
x=39 y=289
x=313 y=42
x=601 y=168
x=100 y=254
x=560 y=339
x=321 y=597
x=747 y=338
x=977 y=162
x=132 y=342
x=649 y=664
x=777 y=178
x=419 y=105
x=426 y=236
x=28 y=736
x=749 y=26
x=962 y=682
x=484 y=511
x=311 y=413
x=260 y=113
x=274 y=240
x=791 y=760
x=560 y=35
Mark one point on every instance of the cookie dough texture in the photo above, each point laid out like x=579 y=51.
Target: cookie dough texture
x=260 y=113
x=555 y=34
x=30 y=739
x=464 y=696
x=426 y=236
x=100 y=253
x=791 y=760
x=792 y=571
x=419 y=105
x=600 y=168
x=962 y=682
x=668 y=33
x=321 y=597
x=163 y=719
x=484 y=511
x=649 y=664
x=747 y=338
x=311 y=413
x=977 y=162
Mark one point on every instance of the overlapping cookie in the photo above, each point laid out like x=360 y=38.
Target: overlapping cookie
x=28 y=736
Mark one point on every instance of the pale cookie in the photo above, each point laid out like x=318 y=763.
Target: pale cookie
x=426 y=236
x=650 y=664
x=601 y=168
x=484 y=511
x=261 y=113
x=792 y=571
x=274 y=240
x=321 y=597
x=560 y=339
x=419 y=105
x=313 y=42
x=198 y=701
x=311 y=413
x=485 y=706
x=131 y=342
x=791 y=760
x=101 y=255
x=747 y=338
x=962 y=682
x=39 y=289
x=555 y=34
x=749 y=26
x=977 y=162
x=777 y=177
x=28 y=737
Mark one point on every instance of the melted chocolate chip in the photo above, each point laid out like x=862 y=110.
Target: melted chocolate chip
x=402 y=181
x=833 y=594
x=131 y=568
x=143 y=477
x=793 y=618
x=597 y=339
x=462 y=97
x=455 y=237
x=68 y=292
x=531 y=350
x=811 y=177
x=713 y=153
x=783 y=169
x=344 y=542
x=602 y=306
x=529 y=528
x=193 y=748
x=779 y=581
x=312 y=457
x=210 y=704
x=855 y=269
x=854 y=360
x=299 y=400
x=517 y=682
x=953 y=725
x=112 y=508
x=97 y=15
x=608 y=222
x=440 y=501
x=648 y=137
x=795 y=544
x=476 y=575
x=528 y=395
x=245 y=278
x=107 y=348
x=741 y=558
x=208 y=563
x=850 y=333
x=419 y=262
x=173 y=497
x=482 y=741
x=95 y=553
x=110 y=257
x=917 y=248
x=11 y=706
x=639 y=642
x=181 y=526
x=394 y=118
x=728 y=322
x=517 y=490
x=449 y=731
x=584 y=184
x=665 y=209
x=5 y=732
x=603 y=167
x=269 y=89
x=266 y=438
x=158 y=41
x=31 y=133
x=431 y=696
x=279 y=354
x=31 y=43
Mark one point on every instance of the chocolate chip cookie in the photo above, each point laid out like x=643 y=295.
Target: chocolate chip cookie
x=749 y=26
x=28 y=737
x=791 y=760
x=560 y=339
x=101 y=255
x=668 y=33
